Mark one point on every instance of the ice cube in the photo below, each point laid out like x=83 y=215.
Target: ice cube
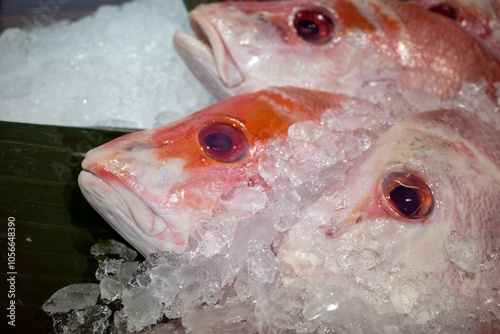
x=228 y=319
x=114 y=248
x=171 y=327
x=464 y=251
x=126 y=271
x=111 y=289
x=248 y=199
x=279 y=309
x=403 y=297
x=140 y=309
x=165 y=282
x=326 y=300
x=72 y=297
x=202 y=284
x=262 y=264
x=108 y=267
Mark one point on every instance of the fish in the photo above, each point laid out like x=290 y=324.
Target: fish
x=154 y=186
x=480 y=18
x=419 y=206
x=331 y=45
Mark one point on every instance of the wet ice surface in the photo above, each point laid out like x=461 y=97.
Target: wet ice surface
x=117 y=67
x=230 y=280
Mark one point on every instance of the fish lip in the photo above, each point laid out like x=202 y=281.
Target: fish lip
x=124 y=207
x=207 y=48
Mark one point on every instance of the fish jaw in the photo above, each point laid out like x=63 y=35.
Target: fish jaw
x=118 y=206
x=457 y=157
x=150 y=197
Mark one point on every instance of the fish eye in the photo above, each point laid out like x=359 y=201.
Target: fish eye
x=407 y=196
x=445 y=10
x=223 y=142
x=313 y=26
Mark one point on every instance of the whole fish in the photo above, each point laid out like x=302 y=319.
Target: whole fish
x=420 y=212
x=154 y=186
x=331 y=45
x=480 y=18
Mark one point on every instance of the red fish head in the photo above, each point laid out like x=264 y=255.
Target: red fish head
x=154 y=186
x=334 y=45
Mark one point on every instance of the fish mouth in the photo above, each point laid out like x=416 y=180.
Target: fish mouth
x=206 y=55
x=133 y=219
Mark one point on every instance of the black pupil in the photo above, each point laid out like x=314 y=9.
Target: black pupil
x=445 y=10
x=307 y=28
x=406 y=199
x=219 y=142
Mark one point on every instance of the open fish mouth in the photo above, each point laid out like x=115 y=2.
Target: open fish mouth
x=206 y=54
x=133 y=219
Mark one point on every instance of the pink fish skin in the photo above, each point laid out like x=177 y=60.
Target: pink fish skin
x=154 y=186
x=480 y=18
x=331 y=45
x=424 y=196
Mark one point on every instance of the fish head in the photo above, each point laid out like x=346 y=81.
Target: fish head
x=154 y=186
x=244 y=46
x=333 y=45
x=424 y=197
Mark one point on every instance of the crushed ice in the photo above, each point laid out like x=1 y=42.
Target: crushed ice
x=116 y=67
x=232 y=281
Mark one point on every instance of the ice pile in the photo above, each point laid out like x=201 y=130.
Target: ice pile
x=213 y=296
x=117 y=67
x=232 y=282
x=87 y=307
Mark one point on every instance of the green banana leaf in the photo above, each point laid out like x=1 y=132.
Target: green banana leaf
x=54 y=225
